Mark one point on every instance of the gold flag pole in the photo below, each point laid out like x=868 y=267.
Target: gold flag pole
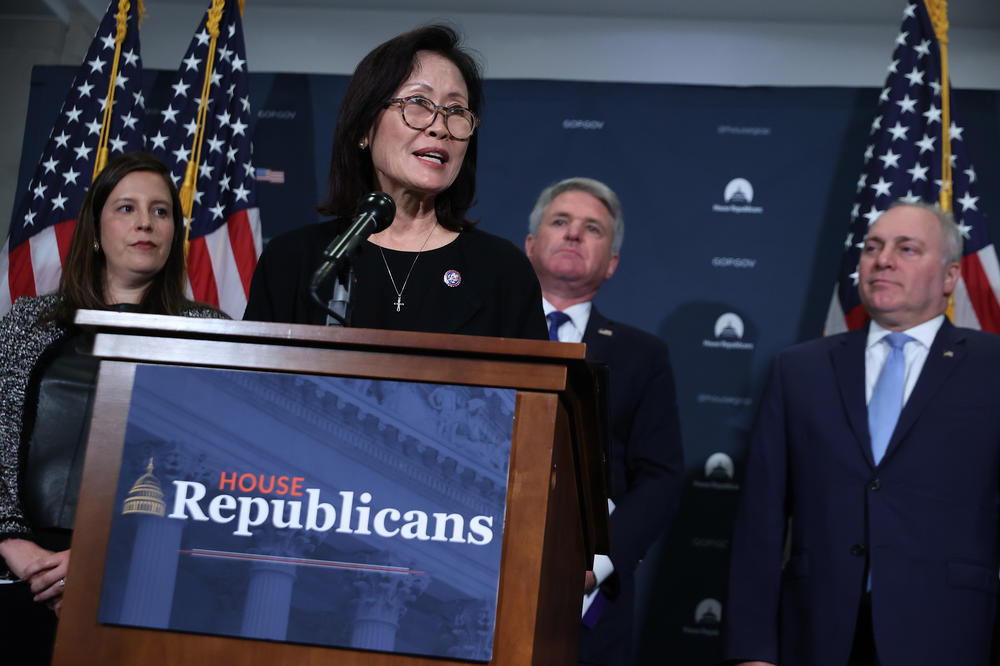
x=938 y=11
x=121 y=24
x=191 y=172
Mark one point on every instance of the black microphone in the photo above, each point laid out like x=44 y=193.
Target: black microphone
x=375 y=213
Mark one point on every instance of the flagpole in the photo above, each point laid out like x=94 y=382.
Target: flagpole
x=191 y=172
x=938 y=12
x=101 y=157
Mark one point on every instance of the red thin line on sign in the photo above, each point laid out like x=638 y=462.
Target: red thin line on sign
x=198 y=552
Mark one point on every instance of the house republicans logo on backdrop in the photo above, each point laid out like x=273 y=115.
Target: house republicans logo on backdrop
x=719 y=473
x=728 y=334
x=738 y=195
x=707 y=618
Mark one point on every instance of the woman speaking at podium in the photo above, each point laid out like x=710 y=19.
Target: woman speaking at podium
x=407 y=127
x=127 y=254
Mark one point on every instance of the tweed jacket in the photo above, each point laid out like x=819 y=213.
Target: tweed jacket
x=24 y=338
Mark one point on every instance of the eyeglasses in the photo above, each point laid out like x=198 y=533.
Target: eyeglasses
x=419 y=113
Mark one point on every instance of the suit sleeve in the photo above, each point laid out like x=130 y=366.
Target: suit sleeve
x=752 y=609
x=260 y=303
x=654 y=464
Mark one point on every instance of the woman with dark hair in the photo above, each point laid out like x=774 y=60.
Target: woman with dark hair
x=127 y=253
x=407 y=126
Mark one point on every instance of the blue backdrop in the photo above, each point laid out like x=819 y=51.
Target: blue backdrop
x=726 y=271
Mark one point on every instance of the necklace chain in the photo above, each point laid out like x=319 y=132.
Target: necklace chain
x=399 y=291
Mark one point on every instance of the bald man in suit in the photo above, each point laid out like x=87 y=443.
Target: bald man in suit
x=882 y=446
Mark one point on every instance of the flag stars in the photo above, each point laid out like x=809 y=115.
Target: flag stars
x=159 y=141
x=231 y=155
x=918 y=173
x=82 y=152
x=118 y=144
x=238 y=127
x=889 y=159
x=224 y=185
x=968 y=202
x=901 y=38
x=876 y=124
x=215 y=145
x=50 y=165
x=128 y=121
x=131 y=58
x=120 y=81
x=854 y=277
x=898 y=131
x=910 y=10
x=139 y=100
x=241 y=193
x=216 y=78
x=937 y=88
x=39 y=191
x=59 y=202
x=191 y=127
x=238 y=63
x=884 y=95
x=915 y=77
x=70 y=176
x=855 y=211
x=205 y=170
x=170 y=114
x=62 y=139
x=29 y=218
x=248 y=168
x=923 y=48
x=964 y=229
x=224 y=54
x=892 y=66
x=96 y=65
x=932 y=114
x=84 y=89
x=910 y=197
x=180 y=89
x=202 y=37
x=882 y=187
x=232 y=29
x=108 y=41
x=907 y=105
x=245 y=102
x=926 y=144
x=872 y=215
x=223 y=119
x=180 y=155
x=192 y=63
x=73 y=115
x=848 y=241
x=217 y=211
x=862 y=180
x=955 y=132
x=971 y=173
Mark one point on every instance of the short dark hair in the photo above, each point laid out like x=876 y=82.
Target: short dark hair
x=375 y=80
x=82 y=283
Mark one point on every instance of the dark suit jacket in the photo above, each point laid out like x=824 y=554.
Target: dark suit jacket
x=926 y=516
x=647 y=469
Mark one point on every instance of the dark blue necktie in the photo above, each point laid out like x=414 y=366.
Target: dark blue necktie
x=556 y=319
x=887 y=396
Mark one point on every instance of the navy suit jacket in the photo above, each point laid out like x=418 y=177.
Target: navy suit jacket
x=647 y=469
x=926 y=517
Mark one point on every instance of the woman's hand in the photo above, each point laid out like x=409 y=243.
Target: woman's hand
x=19 y=554
x=47 y=576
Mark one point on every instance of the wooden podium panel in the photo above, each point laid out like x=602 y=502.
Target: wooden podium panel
x=555 y=509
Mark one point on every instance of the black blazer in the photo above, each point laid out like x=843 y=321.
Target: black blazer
x=647 y=469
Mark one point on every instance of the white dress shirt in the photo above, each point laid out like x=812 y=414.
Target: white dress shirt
x=914 y=352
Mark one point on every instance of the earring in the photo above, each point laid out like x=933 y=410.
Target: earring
x=363 y=144
x=97 y=246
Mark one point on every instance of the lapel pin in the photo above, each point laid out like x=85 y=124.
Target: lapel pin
x=452 y=278
x=949 y=354
x=606 y=331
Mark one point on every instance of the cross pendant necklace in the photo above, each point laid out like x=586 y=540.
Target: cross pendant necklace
x=399 y=291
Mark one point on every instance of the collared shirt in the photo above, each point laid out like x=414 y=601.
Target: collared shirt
x=914 y=351
x=579 y=315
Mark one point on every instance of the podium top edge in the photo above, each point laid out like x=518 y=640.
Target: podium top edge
x=131 y=323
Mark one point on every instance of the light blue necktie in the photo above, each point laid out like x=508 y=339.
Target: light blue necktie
x=556 y=319
x=887 y=396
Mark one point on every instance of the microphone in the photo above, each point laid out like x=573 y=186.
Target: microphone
x=375 y=213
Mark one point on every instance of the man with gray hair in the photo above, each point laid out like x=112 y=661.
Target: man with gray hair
x=869 y=524
x=575 y=234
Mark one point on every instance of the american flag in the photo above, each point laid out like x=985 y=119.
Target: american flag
x=903 y=160
x=43 y=221
x=225 y=222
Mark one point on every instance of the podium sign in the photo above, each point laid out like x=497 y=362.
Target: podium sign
x=349 y=512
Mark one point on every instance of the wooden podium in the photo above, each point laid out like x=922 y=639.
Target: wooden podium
x=556 y=513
